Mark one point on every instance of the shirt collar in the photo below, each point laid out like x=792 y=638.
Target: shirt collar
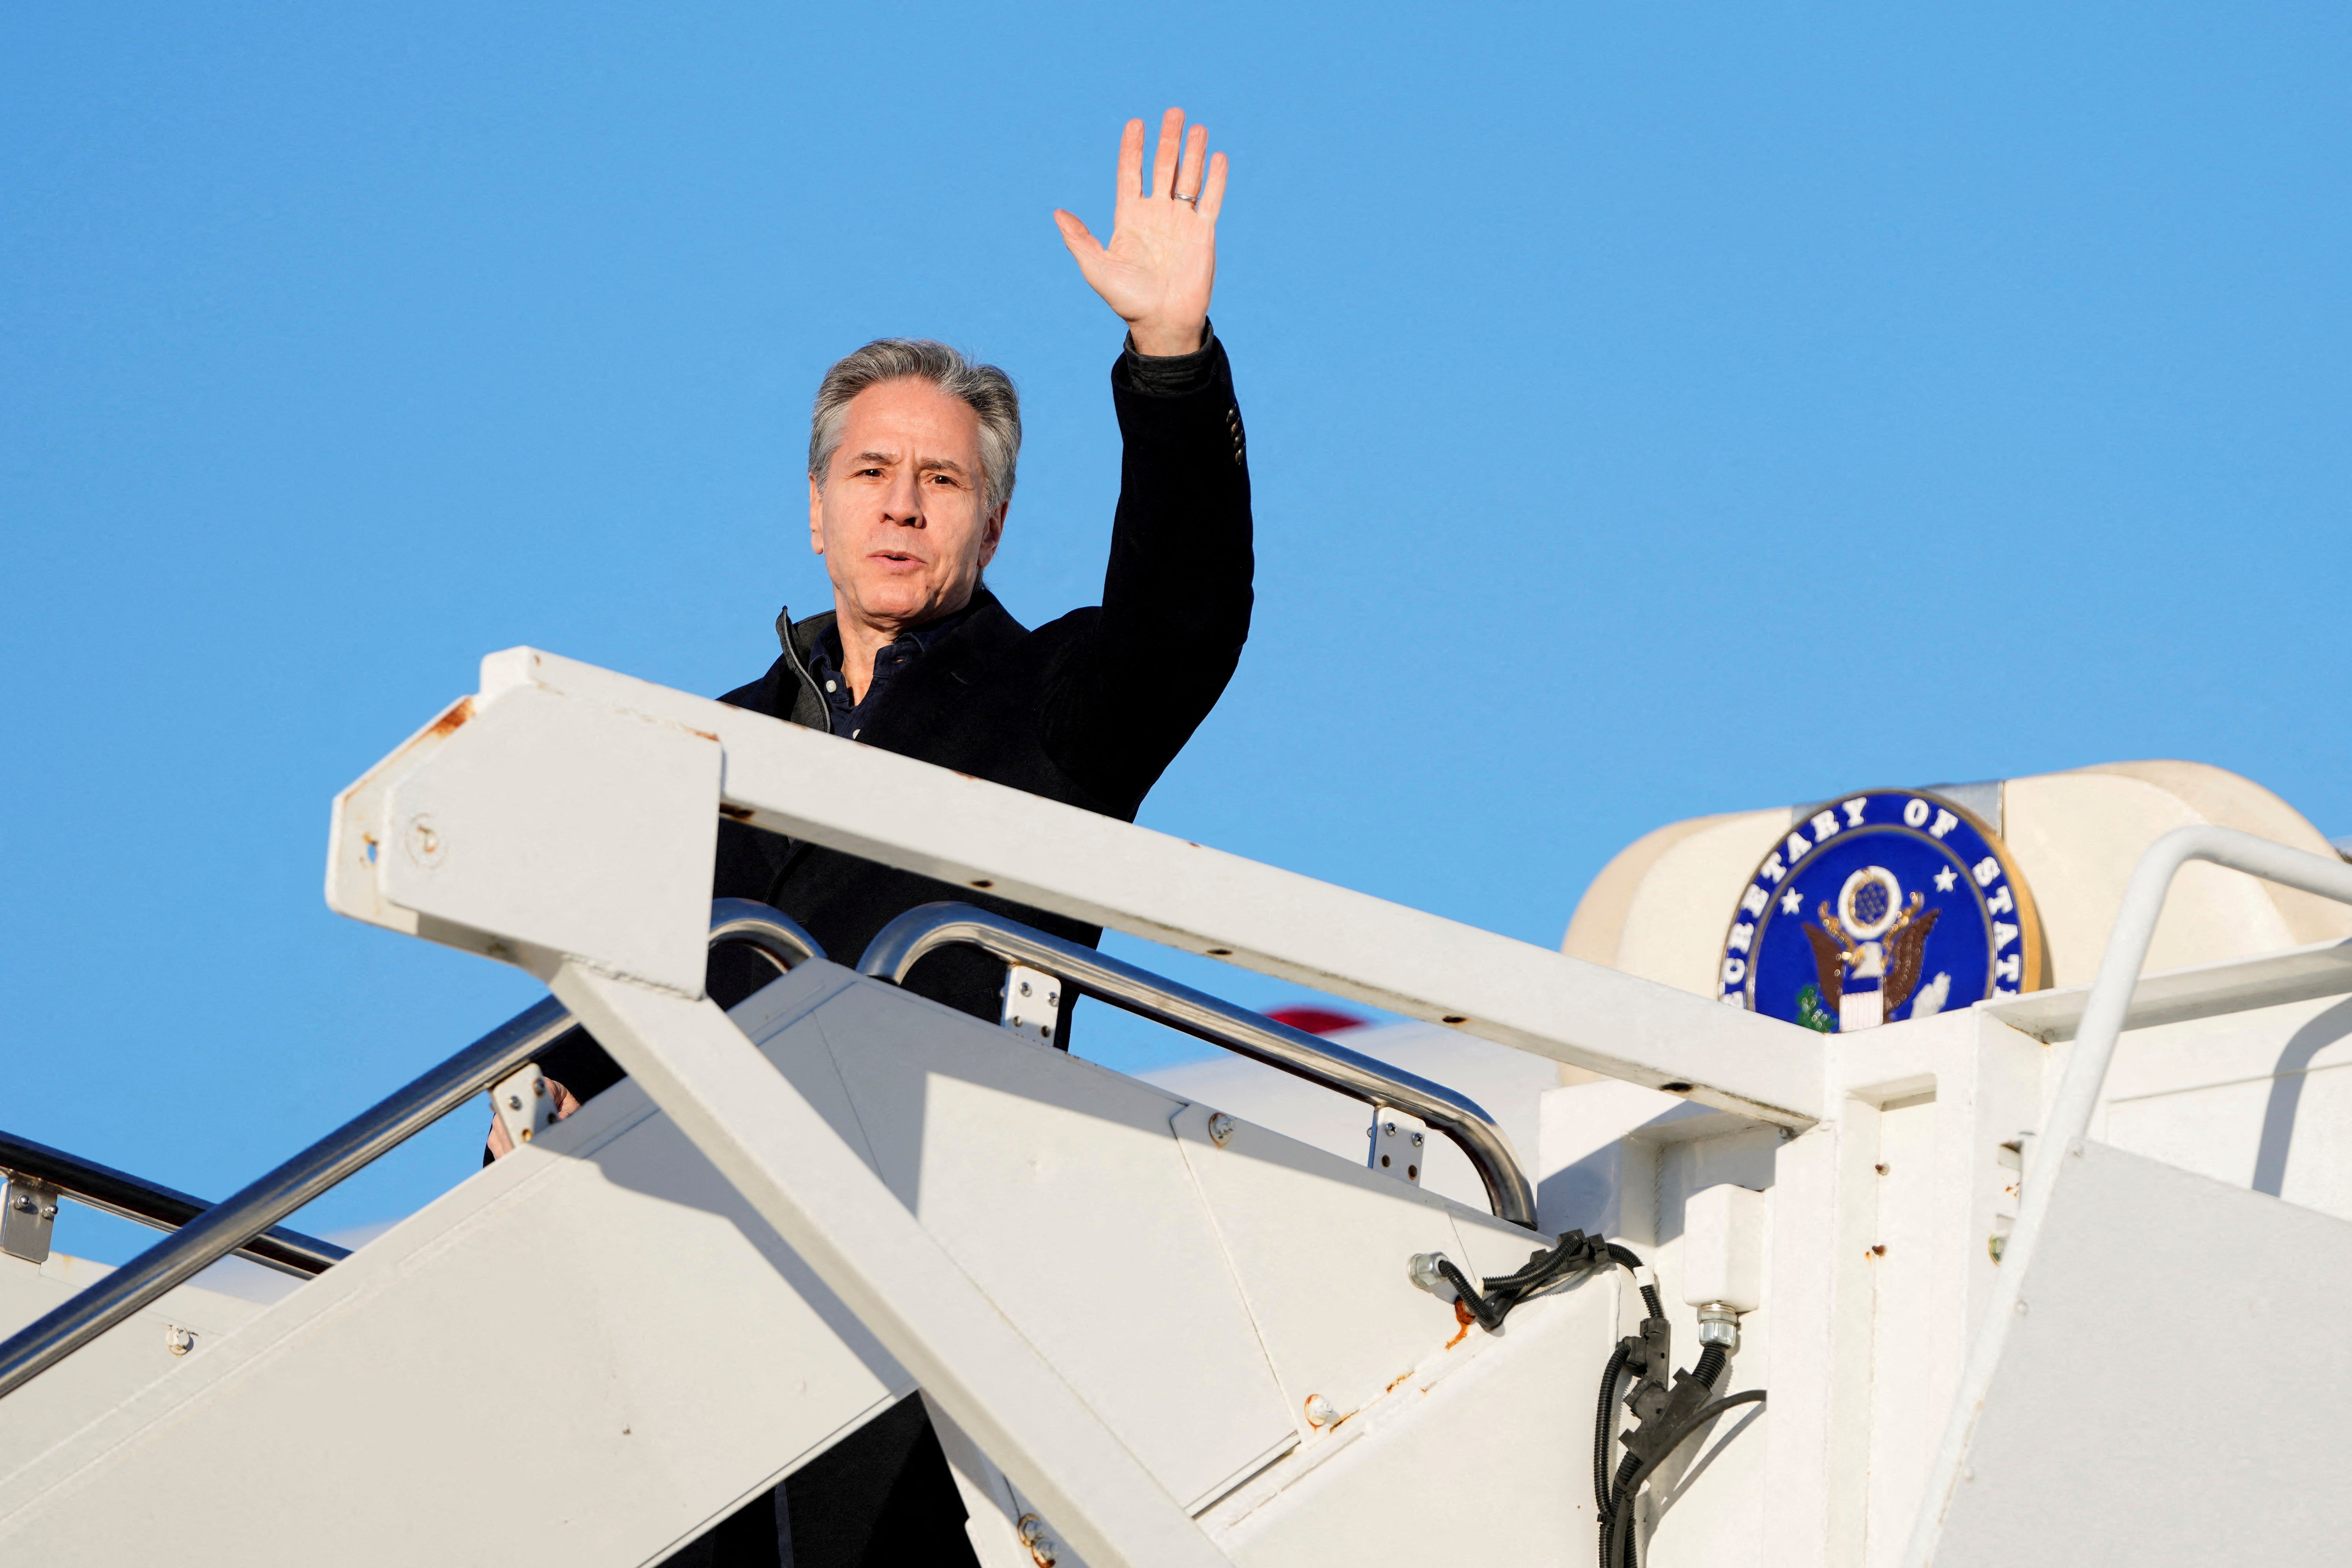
x=826 y=646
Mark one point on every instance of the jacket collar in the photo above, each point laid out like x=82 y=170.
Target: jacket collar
x=798 y=638
x=986 y=632
x=988 y=628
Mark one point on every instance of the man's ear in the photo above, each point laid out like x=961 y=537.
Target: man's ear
x=816 y=516
x=994 y=535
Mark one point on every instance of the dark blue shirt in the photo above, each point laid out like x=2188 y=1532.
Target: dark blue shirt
x=848 y=716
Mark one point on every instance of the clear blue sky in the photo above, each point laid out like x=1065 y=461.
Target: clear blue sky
x=1653 y=410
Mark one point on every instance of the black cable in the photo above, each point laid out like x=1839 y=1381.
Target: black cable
x=1603 y=1419
x=1575 y=1253
x=1630 y=1486
x=1625 y=1557
x=1603 y=1427
x=1489 y=1313
x=1624 y=1255
x=1698 y=1383
x=1608 y=1510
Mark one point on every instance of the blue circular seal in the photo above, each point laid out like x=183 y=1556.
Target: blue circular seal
x=1889 y=904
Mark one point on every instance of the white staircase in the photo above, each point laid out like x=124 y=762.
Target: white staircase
x=2009 y=1306
x=592 y=1351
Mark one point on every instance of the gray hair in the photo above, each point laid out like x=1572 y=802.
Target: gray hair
x=986 y=389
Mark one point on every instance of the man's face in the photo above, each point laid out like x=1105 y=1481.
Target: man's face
x=899 y=518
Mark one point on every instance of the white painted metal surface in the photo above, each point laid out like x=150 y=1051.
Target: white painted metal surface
x=523 y=1105
x=691 y=1358
x=2140 y=1417
x=837 y=1215
x=1160 y=1324
x=119 y=1363
x=1474 y=1456
x=598 y=1322
x=1722 y=1251
x=1033 y=1003
x=1400 y=1145
x=2061 y=1132
x=1033 y=1170
x=2105 y=1014
x=476 y=841
x=971 y=833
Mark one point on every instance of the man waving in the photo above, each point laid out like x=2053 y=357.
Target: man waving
x=912 y=454
x=912 y=450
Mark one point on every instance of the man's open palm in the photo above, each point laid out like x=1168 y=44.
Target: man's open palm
x=1162 y=262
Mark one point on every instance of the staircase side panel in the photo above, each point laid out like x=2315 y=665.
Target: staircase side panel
x=1058 y=1188
x=2174 y=1389
x=583 y=1354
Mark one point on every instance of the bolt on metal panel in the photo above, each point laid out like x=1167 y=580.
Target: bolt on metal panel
x=29 y=1218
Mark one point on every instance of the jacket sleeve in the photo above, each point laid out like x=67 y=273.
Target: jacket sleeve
x=1176 y=596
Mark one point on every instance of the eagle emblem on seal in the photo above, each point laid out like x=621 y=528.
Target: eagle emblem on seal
x=1871 y=936
x=1882 y=907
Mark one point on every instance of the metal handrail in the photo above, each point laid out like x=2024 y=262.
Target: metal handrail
x=745 y=922
x=152 y=1204
x=230 y=1225
x=1203 y=1017
x=2109 y=1003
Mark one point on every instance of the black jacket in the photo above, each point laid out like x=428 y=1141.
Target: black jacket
x=1089 y=709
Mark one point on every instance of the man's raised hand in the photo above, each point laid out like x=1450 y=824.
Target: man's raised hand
x=1162 y=262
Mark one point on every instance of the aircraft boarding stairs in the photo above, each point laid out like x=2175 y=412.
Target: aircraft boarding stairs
x=595 y=1348
x=1150 y=1332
